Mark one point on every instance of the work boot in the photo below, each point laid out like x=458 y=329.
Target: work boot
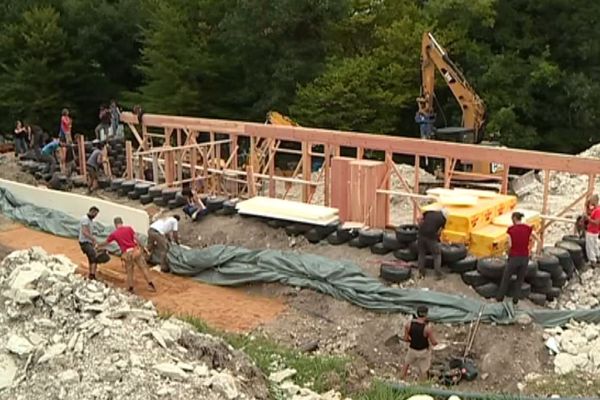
x=152 y=287
x=92 y=277
x=515 y=301
x=130 y=290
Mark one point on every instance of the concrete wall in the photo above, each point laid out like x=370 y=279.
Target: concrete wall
x=77 y=205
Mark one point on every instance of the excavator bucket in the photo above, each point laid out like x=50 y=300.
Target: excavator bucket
x=524 y=184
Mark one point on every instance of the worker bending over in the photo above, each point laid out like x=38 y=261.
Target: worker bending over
x=162 y=232
x=519 y=243
x=419 y=334
x=131 y=252
x=431 y=226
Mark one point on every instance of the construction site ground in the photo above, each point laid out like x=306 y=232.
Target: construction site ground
x=505 y=355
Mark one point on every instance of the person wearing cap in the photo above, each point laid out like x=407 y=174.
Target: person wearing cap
x=431 y=225
x=419 y=334
x=519 y=243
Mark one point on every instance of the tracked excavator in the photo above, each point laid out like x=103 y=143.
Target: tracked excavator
x=435 y=58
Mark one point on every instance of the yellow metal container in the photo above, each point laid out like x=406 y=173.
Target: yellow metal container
x=455 y=237
x=491 y=240
x=532 y=218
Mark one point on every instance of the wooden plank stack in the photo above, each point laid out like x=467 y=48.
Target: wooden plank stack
x=354 y=191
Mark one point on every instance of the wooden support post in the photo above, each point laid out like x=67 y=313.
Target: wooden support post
x=327 y=171
x=591 y=184
x=360 y=153
x=448 y=167
x=416 y=189
x=233 y=149
x=193 y=163
x=505 y=170
x=106 y=162
x=81 y=156
x=271 y=166
x=129 y=159
x=169 y=168
x=306 y=170
x=155 y=168
x=251 y=182
x=545 y=201
x=179 y=163
x=140 y=169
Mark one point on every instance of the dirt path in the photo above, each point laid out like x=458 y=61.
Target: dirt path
x=223 y=308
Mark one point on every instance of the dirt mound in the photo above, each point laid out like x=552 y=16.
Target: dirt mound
x=74 y=339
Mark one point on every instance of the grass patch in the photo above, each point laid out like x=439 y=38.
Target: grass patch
x=320 y=373
x=570 y=385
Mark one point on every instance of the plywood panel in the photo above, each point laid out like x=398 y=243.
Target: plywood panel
x=340 y=186
x=77 y=205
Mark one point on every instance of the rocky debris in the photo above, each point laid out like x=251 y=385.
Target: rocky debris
x=282 y=375
x=579 y=348
x=292 y=391
x=584 y=295
x=77 y=339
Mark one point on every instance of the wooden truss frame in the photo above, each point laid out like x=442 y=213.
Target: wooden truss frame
x=169 y=144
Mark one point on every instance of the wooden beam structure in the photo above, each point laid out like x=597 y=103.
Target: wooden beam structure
x=239 y=158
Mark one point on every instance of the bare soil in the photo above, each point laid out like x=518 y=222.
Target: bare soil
x=294 y=317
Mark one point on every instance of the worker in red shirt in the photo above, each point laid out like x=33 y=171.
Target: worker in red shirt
x=519 y=240
x=131 y=252
x=591 y=236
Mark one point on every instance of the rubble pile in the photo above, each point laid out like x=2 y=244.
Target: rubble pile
x=577 y=348
x=584 y=295
x=63 y=337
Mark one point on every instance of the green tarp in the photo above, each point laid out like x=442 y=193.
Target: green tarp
x=233 y=266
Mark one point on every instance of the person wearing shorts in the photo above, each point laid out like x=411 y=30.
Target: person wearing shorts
x=419 y=334
x=87 y=242
x=131 y=252
x=93 y=164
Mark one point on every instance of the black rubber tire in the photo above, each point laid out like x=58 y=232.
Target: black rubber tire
x=405 y=255
x=78 y=181
x=129 y=185
x=469 y=263
x=575 y=251
x=407 y=233
x=491 y=267
x=133 y=195
x=45 y=177
x=160 y=201
x=474 y=278
x=553 y=293
x=453 y=252
x=560 y=280
x=549 y=263
x=103 y=182
x=115 y=184
x=575 y=239
x=488 y=290
x=525 y=290
x=229 y=207
x=537 y=298
x=325 y=230
x=334 y=239
x=215 y=203
x=297 y=229
x=145 y=199
x=394 y=273
x=173 y=204
x=346 y=233
x=170 y=193
x=564 y=258
x=313 y=236
x=273 y=223
x=380 y=249
x=155 y=192
x=541 y=279
x=142 y=188
x=357 y=243
x=532 y=269
x=390 y=241
x=428 y=261
x=414 y=247
x=369 y=237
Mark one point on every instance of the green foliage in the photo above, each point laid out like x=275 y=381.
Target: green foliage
x=345 y=64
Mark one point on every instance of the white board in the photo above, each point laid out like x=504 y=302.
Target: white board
x=288 y=210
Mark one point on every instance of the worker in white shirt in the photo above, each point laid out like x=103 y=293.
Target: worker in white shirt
x=160 y=234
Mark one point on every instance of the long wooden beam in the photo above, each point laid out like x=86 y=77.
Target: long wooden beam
x=431 y=148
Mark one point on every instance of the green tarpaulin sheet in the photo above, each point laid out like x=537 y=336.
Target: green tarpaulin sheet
x=233 y=266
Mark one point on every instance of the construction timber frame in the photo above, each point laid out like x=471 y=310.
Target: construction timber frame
x=208 y=151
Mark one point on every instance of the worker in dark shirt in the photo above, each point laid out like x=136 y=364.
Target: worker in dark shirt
x=93 y=165
x=419 y=334
x=428 y=240
x=519 y=239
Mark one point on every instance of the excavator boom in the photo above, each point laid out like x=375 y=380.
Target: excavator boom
x=434 y=57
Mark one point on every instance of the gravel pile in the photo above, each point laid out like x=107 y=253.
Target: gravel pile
x=62 y=337
x=578 y=346
x=582 y=295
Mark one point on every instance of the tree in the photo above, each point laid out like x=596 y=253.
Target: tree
x=32 y=74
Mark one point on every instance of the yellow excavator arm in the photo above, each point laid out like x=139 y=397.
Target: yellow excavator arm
x=433 y=56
